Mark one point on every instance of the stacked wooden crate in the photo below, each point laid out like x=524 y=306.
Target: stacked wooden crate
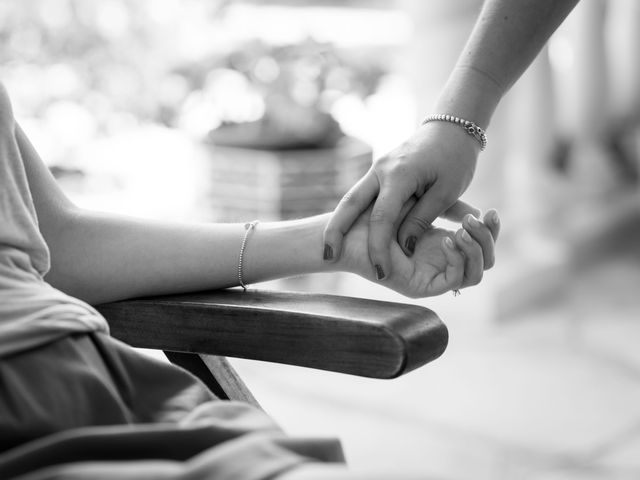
x=273 y=185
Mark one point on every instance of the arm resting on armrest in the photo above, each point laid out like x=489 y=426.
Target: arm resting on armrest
x=362 y=337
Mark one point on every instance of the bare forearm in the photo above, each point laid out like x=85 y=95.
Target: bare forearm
x=506 y=38
x=102 y=257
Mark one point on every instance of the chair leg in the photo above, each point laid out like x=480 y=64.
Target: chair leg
x=216 y=373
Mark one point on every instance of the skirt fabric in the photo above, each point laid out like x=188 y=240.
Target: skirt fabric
x=89 y=406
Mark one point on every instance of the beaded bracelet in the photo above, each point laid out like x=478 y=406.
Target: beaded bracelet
x=471 y=128
x=249 y=226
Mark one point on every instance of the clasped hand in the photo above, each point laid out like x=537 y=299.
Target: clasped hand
x=399 y=198
x=443 y=260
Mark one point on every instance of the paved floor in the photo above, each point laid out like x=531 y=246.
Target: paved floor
x=550 y=390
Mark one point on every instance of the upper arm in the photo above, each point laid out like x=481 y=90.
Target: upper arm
x=51 y=204
x=53 y=207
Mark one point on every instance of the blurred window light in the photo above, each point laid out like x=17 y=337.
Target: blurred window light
x=340 y=25
x=266 y=69
x=85 y=73
x=561 y=54
x=55 y=14
x=113 y=20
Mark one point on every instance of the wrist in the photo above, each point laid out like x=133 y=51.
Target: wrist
x=285 y=248
x=470 y=94
x=471 y=128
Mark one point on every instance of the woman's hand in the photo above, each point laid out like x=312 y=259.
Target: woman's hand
x=435 y=166
x=443 y=260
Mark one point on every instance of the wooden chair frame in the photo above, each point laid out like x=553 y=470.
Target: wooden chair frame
x=356 y=336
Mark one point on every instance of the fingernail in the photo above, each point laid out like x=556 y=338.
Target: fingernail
x=379 y=272
x=466 y=237
x=473 y=221
x=328 y=252
x=411 y=243
x=494 y=218
x=448 y=242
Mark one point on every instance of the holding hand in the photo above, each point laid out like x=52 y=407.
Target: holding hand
x=443 y=260
x=435 y=166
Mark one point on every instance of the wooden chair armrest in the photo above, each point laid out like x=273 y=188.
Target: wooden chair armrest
x=349 y=335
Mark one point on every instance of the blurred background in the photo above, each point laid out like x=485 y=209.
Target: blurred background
x=210 y=110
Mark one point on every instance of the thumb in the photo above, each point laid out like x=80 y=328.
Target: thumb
x=459 y=210
x=351 y=206
x=421 y=216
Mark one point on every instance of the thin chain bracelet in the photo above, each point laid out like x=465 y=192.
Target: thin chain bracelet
x=249 y=226
x=471 y=128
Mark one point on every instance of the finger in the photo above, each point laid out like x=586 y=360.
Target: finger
x=420 y=217
x=459 y=210
x=386 y=210
x=352 y=204
x=492 y=221
x=406 y=208
x=473 y=261
x=482 y=235
x=453 y=276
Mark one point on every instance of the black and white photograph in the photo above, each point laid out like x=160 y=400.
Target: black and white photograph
x=319 y=240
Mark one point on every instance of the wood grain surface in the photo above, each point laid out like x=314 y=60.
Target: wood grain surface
x=349 y=335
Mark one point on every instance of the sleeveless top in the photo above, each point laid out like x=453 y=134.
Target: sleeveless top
x=32 y=312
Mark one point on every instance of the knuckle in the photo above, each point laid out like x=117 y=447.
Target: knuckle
x=393 y=164
x=351 y=198
x=417 y=222
x=475 y=279
x=382 y=161
x=396 y=170
x=335 y=231
x=458 y=279
x=378 y=216
x=489 y=263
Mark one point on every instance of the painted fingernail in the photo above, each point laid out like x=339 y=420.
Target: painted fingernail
x=411 y=244
x=466 y=237
x=448 y=242
x=328 y=252
x=379 y=272
x=473 y=221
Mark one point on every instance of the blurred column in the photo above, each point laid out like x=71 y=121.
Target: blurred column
x=531 y=133
x=623 y=36
x=584 y=101
x=533 y=253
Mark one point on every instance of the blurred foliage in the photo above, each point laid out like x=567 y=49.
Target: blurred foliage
x=79 y=69
x=104 y=56
x=287 y=91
